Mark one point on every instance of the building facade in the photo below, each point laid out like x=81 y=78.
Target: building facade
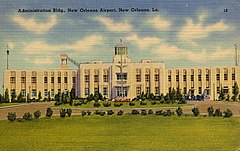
x=122 y=78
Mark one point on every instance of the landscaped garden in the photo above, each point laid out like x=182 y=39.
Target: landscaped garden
x=126 y=132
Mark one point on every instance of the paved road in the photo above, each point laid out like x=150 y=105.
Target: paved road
x=23 y=108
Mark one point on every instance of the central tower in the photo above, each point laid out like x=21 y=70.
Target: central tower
x=121 y=53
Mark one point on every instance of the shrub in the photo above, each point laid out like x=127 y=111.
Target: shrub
x=89 y=112
x=179 y=111
x=11 y=116
x=218 y=112
x=83 y=113
x=57 y=103
x=195 y=111
x=37 y=114
x=102 y=113
x=150 y=111
x=27 y=116
x=143 y=103
x=153 y=102
x=49 y=112
x=144 y=112
x=135 y=112
x=106 y=104
x=120 y=113
x=167 y=113
x=159 y=112
x=69 y=112
x=228 y=113
x=97 y=112
x=132 y=103
x=96 y=104
x=62 y=113
x=118 y=104
x=110 y=112
x=210 y=111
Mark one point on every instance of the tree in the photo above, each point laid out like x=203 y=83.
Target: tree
x=1 y=98
x=195 y=111
x=210 y=111
x=235 y=91
x=13 y=97
x=179 y=111
x=28 y=97
x=49 y=97
x=39 y=96
x=172 y=94
x=20 y=97
x=6 y=96
x=221 y=95
x=49 y=112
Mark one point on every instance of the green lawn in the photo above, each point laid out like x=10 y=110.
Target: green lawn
x=125 y=105
x=9 y=104
x=127 y=132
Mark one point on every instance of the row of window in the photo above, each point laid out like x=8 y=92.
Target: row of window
x=34 y=92
x=34 y=79
x=96 y=91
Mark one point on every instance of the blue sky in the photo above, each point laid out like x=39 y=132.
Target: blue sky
x=182 y=33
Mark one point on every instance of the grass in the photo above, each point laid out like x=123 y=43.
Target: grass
x=125 y=105
x=127 y=132
x=9 y=104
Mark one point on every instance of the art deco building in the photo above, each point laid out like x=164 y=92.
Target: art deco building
x=122 y=78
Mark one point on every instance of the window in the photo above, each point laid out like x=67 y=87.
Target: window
x=147 y=77
x=177 y=78
x=156 y=77
x=12 y=79
x=225 y=77
x=105 y=78
x=86 y=78
x=96 y=91
x=138 y=90
x=184 y=77
x=233 y=76
x=124 y=76
x=59 y=79
x=23 y=92
x=138 y=78
x=13 y=92
x=45 y=80
x=156 y=90
x=86 y=91
x=192 y=77
x=169 y=78
x=59 y=90
x=23 y=79
x=52 y=92
x=45 y=92
x=199 y=77
x=218 y=77
x=147 y=89
x=65 y=80
x=73 y=80
x=34 y=92
x=184 y=90
x=225 y=89
x=200 y=90
x=34 y=79
x=95 y=78
x=207 y=77
x=119 y=91
x=105 y=91
x=52 y=79
x=218 y=90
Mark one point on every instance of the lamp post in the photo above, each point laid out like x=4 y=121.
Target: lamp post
x=7 y=56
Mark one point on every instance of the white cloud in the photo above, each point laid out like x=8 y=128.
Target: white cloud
x=143 y=43
x=86 y=44
x=193 y=31
x=10 y=45
x=114 y=26
x=159 y=22
x=42 y=61
x=37 y=27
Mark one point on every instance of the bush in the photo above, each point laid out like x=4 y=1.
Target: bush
x=49 y=112
x=218 y=112
x=96 y=104
x=62 y=113
x=210 y=111
x=150 y=111
x=106 y=104
x=83 y=113
x=135 y=112
x=228 y=113
x=27 y=116
x=143 y=103
x=89 y=112
x=97 y=112
x=120 y=113
x=144 y=112
x=167 y=113
x=37 y=114
x=195 y=111
x=159 y=112
x=110 y=112
x=57 y=103
x=11 y=116
x=118 y=104
x=153 y=102
x=179 y=111
x=69 y=112
x=132 y=103
x=102 y=113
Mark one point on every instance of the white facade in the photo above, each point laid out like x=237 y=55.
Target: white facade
x=105 y=78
